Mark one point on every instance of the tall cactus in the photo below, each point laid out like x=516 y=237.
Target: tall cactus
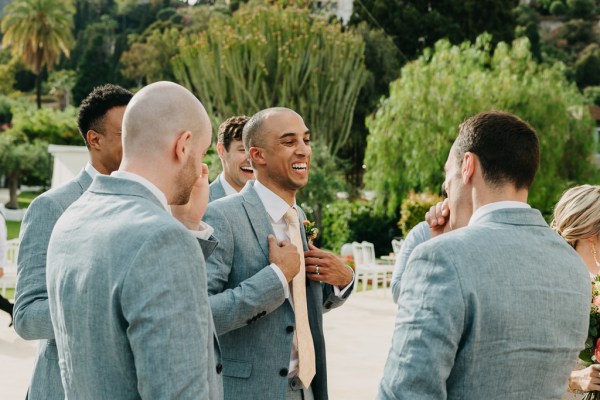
x=272 y=56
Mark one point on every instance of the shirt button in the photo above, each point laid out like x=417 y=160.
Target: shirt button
x=283 y=372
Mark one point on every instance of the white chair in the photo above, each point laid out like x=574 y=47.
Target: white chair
x=9 y=279
x=381 y=272
x=361 y=270
x=397 y=246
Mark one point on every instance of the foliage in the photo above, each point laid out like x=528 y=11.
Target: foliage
x=20 y=157
x=413 y=130
x=266 y=56
x=583 y=9
x=38 y=31
x=61 y=85
x=592 y=94
x=558 y=8
x=527 y=26
x=345 y=222
x=325 y=180
x=48 y=125
x=577 y=32
x=413 y=209
x=587 y=66
x=415 y=24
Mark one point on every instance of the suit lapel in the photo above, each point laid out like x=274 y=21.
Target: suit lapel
x=259 y=219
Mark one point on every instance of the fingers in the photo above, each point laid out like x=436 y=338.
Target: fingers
x=312 y=247
x=272 y=242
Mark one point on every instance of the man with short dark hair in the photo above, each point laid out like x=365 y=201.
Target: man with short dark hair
x=267 y=295
x=236 y=166
x=99 y=122
x=499 y=308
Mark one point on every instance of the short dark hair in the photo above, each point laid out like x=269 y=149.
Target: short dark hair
x=507 y=147
x=231 y=129
x=94 y=107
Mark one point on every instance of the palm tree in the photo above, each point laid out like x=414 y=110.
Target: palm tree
x=39 y=31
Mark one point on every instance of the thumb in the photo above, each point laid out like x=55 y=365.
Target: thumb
x=312 y=247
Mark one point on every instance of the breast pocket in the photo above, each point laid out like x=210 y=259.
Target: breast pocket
x=237 y=368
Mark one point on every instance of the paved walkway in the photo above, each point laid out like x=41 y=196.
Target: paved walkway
x=358 y=337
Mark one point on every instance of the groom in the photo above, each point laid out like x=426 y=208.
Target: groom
x=267 y=295
x=498 y=309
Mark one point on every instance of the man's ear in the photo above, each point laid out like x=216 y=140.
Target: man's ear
x=183 y=146
x=93 y=139
x=220 y=150
x=256 y=156
x=469 y=165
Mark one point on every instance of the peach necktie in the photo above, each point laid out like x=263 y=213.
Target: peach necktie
x=306 y=350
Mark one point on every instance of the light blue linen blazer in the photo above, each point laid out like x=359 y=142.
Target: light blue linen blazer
x=128 y=299
x=254 y=321
x=497 y=310
x=31 y=313
x=216 y=190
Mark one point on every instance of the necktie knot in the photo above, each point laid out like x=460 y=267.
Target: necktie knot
x=291 y=217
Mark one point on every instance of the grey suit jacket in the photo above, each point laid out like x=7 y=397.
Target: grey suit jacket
x=128 y=298
x=254 y=321
x=31 y=313
x=498 y=310
x=216 y=190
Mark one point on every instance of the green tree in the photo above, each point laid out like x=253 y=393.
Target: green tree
x=265 y=56
x=413 y=130
x=61 y=85
x=39 y=31
x=415 y=24
x=19 y=158
x=587 y=66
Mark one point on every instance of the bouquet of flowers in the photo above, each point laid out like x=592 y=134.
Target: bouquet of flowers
x=591 y=353
x=310 y=230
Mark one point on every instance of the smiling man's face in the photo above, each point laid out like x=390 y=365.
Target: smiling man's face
x=236 y=167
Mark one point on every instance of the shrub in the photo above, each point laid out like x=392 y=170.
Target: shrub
x=592 y=93
x=558 y=8
x=583 y=9
x=587 y=66
x=349 y=221
x=413 y=209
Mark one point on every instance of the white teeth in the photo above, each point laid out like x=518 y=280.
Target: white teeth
x=299 y=166
x=247 y=169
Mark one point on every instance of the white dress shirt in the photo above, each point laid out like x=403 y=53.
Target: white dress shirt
x=276 y=208
x=91 y=171
x=229 y=190
x=498 y=205
x=204 y=230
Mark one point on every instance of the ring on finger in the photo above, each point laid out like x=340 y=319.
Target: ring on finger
x=317 y=269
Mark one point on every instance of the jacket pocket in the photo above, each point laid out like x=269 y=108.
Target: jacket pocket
x=51 y=352
x=236 y=368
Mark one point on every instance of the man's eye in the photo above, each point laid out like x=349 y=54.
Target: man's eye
x=307 y=141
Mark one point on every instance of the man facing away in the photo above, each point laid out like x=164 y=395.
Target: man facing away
x=99 y=122
x=127 y=281
x=498 y=309
x=268 y=298
x=236 y=166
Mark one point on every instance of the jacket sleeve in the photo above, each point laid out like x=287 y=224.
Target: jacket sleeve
x=32 y=312
x=233 y=307
x=429 y=327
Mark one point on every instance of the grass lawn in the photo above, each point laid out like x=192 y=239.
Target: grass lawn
x=13 y=228
x=25 y=198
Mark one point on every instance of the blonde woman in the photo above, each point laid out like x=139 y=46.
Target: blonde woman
x=577 y=220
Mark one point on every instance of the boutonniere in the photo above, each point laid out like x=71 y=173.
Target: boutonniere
x=310 y=230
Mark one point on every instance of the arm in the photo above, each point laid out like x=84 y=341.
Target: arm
x=429 y=327
x=233 y=307
x=164 y=300
x=32 y=313
x=416 y=236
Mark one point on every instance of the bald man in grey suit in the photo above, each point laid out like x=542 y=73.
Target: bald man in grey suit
x=498 y=309
x=126 y=281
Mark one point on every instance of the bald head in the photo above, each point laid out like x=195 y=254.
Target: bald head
x=255 y=128
x=157 y=115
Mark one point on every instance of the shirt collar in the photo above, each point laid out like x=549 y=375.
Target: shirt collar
x=229 y=190
x=146 y=183
x=488 y=208
x=276 y=207
x=91 y=171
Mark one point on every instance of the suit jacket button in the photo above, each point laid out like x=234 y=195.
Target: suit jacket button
x=249 y=321
x=219 y=368
x=283 y=372
x=263 y=313
x=289 y=329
